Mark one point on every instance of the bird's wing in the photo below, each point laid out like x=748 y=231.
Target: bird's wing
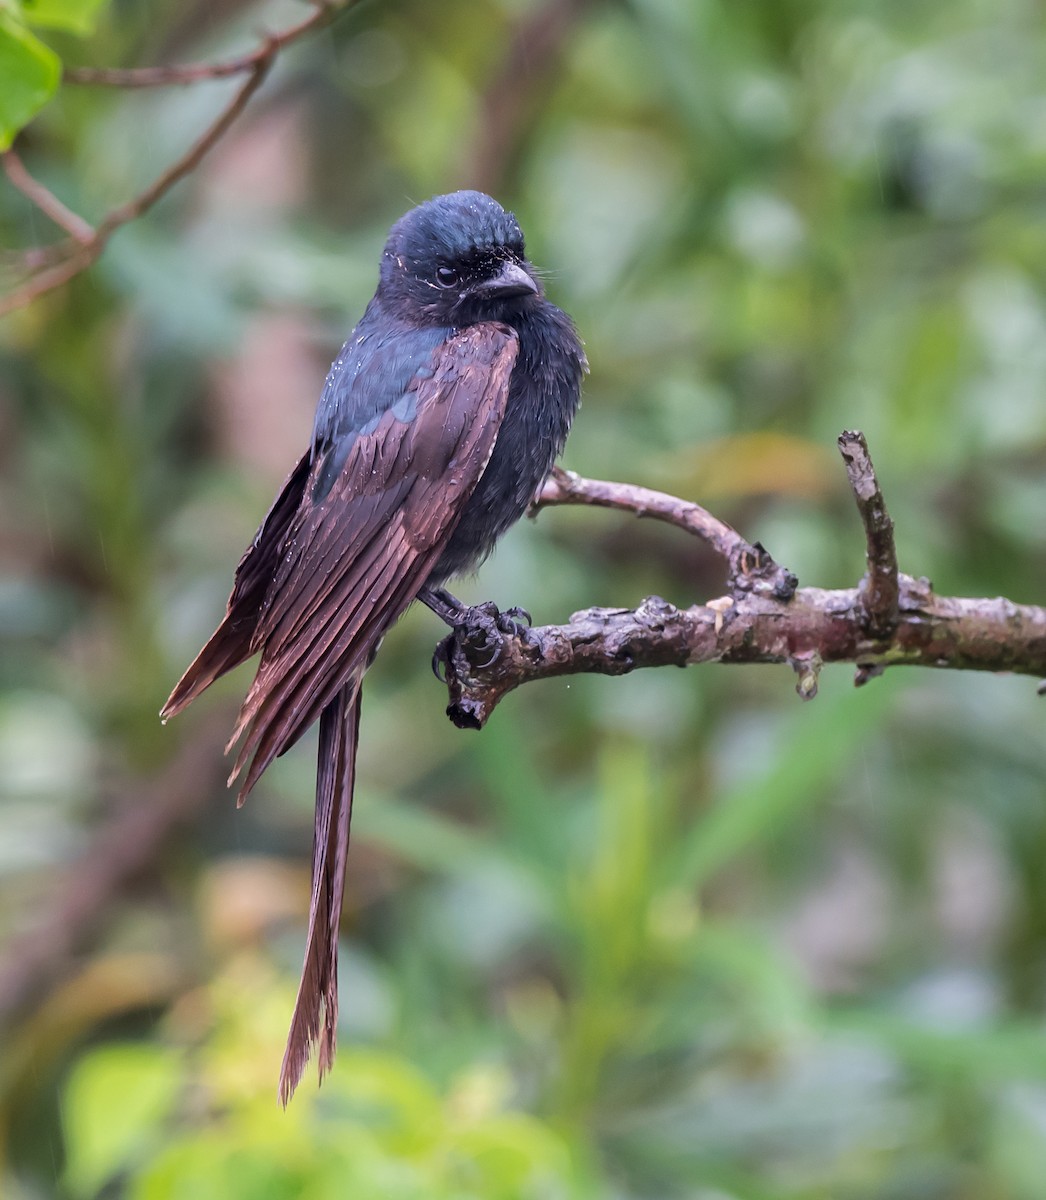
x=233 y=641
x=356 y=556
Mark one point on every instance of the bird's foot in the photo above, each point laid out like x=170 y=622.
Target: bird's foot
x=478 y=638
x=515 y=621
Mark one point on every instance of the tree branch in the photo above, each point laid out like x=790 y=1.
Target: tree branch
x=192 y=158
x=187 y=73
x=52 y=266
x=751 y=568
x=879 y=588
x=45 y=200
x=890 y=620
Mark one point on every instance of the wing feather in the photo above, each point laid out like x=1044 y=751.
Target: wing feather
x=354 y=561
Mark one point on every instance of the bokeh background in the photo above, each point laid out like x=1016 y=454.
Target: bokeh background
x=673 y=935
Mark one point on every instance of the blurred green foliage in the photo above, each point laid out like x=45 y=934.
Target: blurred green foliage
x=671 y=935
x=30 y=70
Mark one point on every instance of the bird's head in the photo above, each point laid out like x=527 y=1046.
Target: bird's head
x=457 y=260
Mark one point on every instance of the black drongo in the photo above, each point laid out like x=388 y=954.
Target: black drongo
x=439 y=421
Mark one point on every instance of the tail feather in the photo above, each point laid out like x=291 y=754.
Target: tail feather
x=315 y=1018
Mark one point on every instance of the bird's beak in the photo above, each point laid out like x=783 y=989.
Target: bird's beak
x=511 y=280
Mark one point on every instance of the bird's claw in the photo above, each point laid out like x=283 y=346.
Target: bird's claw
x=482 y=630
x=515 y=621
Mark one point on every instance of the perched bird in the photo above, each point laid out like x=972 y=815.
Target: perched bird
x=439 y=421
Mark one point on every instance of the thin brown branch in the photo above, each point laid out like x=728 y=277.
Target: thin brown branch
x=37 y=258
x=879 y=587
x=751 y=568
x=45 y=200
x=46 y=280
x=54 y=266
x=193 y=156
x=83 y=255
x=188 y=73
x=760 y=622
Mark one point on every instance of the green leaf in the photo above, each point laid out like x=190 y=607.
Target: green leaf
x=30 y=72
x=74 y=16
x=116 y=1100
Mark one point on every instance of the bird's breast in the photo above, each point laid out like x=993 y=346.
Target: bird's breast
x=544 y=393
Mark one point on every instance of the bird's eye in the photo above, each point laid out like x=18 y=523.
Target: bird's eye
x=446 y=276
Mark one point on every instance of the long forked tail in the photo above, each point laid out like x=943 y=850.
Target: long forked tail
x=315 y=1016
